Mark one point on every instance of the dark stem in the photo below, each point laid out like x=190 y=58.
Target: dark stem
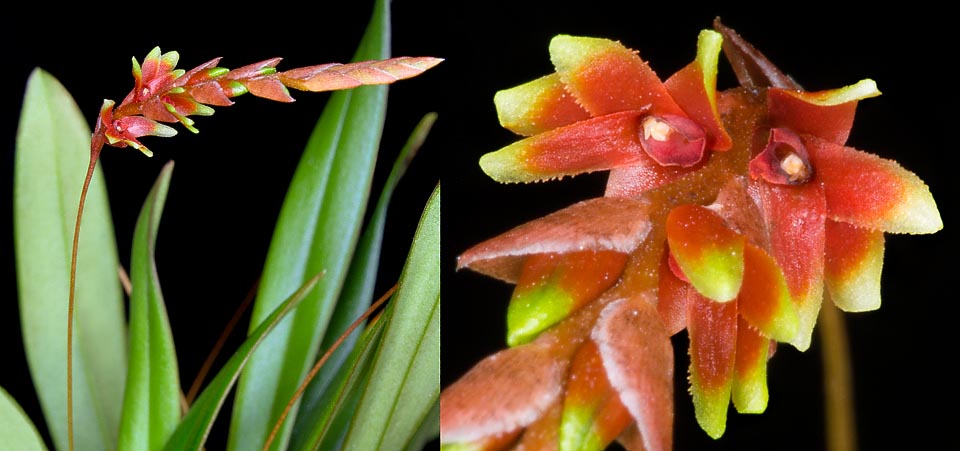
x=94 y=156
x=837 y=380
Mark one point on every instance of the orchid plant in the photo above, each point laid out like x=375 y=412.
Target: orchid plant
x=738 y=215
x=322 y=366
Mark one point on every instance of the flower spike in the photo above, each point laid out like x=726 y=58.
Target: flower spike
x=727 y=213
x=163 y=93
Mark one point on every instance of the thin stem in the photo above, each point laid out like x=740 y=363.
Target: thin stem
x=124 y=280
x=94 y=155
x=316 y=367
x=837 y=380
x=218 y=346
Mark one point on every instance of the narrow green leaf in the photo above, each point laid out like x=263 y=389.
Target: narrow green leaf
x=429 y=429
x=53 y=150
x=192 y=432
x=337 y=404
x=358 y=290
x=151 y=404
x=17 y=430
x=405 y=380
x=317 y=230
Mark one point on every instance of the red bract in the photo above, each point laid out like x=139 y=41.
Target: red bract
x=734 y=246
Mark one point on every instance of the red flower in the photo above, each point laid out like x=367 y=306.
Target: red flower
x=734 y=246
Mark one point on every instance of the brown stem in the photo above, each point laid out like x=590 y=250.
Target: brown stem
x=837 y=380
x=94 y=156
x=319 y=364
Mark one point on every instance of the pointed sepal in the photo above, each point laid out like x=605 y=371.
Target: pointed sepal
x=827 y=114
x=712 y=328
x=552 y=286
x=638 y=358
x=764 y=299
x=593 y=415
x=537 y=106
x=709 y=254
x=871 y=192
x=600 y=224
x=694 y=88
x=591 y=145
x=503 y=393
x=606 y=77
x=853 y=265
x=795 y=217
x=749 y=393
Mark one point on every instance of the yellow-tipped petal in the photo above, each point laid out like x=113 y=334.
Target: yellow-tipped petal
x=707 y=251
x=764 y=299
x=712 y=328
x=871 y=192
x=863 y=89
x=606 y=77
x=537 y=106
x=592 y=145
x=750 y=392
x=853 y=265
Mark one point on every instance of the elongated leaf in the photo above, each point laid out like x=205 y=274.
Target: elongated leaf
x=317 y=230
x=151 y=404
x=405 y=380
x=358 y=290
x=17 y=430
x=338 y=403
x=429 y=429
x=192 y=432
x=52 y=156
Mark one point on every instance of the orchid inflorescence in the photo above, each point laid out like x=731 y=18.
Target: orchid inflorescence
x=729 y=214
x=163 y=93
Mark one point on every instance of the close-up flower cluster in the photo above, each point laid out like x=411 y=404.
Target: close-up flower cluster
x=730 y=214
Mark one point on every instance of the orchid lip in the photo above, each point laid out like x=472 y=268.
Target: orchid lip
x=783 y=161
x=672 y=140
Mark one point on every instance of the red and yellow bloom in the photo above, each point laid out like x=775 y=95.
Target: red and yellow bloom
x=726 y=214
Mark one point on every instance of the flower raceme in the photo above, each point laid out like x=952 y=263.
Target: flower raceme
x=163 y=93
x=729 y=214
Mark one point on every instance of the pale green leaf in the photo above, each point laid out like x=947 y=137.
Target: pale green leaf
x=17 y=430
x=52 y=156
x=318 y=228
x=329 y=421
x=151 y=406
x=404 y=383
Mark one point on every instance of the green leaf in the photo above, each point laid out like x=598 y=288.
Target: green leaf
x=337 y=404
x=53 y=149
x=17 y=430
x=192 y=432
x=317 y=230
x=405 y=380
x=151 y=405
x=429 y=429
x=358 y=290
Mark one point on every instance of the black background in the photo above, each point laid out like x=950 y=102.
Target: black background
x=230 y=179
